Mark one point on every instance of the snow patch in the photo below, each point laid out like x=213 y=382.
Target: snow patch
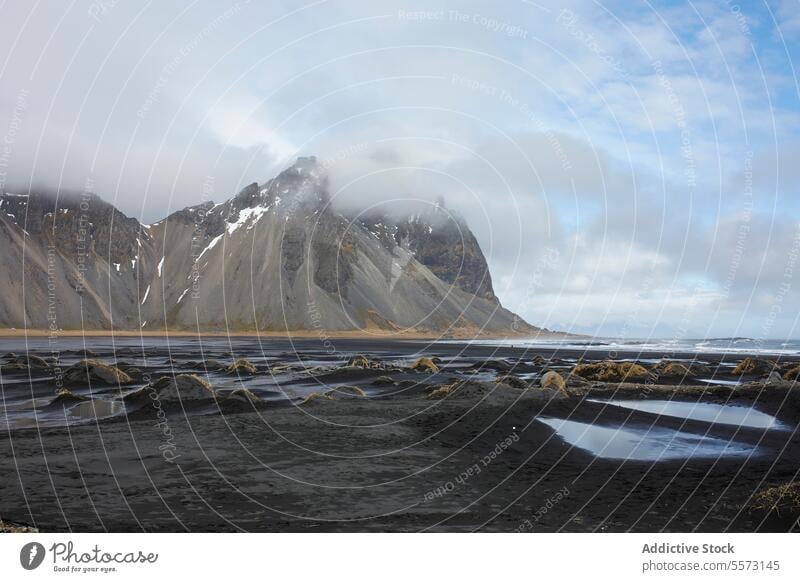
x=182 y=295
x=146 y=293
x=248 y=216
x=210 y=246
x=160 y=266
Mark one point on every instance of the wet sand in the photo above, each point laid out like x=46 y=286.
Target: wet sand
x=396 y=459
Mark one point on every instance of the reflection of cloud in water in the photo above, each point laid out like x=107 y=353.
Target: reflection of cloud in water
x=654 y=444
x=703 y=411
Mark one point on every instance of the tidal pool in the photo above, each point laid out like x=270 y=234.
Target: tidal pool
x=97 y=409
x=644 y=444
x=745 y=416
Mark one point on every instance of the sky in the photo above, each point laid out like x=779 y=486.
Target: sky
x=630 y=169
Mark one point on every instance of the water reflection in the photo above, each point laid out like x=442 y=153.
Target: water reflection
x=704 y=411
x=643 y=444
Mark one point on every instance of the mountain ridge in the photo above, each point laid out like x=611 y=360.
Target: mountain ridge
x=275 y=257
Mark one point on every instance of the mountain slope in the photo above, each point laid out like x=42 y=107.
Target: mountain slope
x=275 y=257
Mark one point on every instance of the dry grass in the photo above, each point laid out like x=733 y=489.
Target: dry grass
x=359 y=361
x=443 y=391
x=553 y=381
x=793 y=375
x=611 y=371
x=780 y=498
x=346 y=391
x=753 y=366
x=425 y=365
x=674 y=370
x=316 y=396
x=242 y=366
x=10 y=527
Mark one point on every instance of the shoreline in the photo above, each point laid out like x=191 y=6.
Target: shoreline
x=299 y=334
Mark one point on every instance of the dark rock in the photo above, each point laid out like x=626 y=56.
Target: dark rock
x=244 y=395
x=383 y=381
x=242 y=367
x=182 y=387
x=499 y=365
x=316 y=397
x=514 y=382
x=425 y=365
x=66 y=397
x=346 y=392
x=33 y=361
x=95 y=372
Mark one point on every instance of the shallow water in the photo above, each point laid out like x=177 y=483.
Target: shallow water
x=644 y=444
x=744 y=346
x=719 y=382
x=96 y=409
x=704 y=411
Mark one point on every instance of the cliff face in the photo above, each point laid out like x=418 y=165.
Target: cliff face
x=442 y=241
x=275 y=257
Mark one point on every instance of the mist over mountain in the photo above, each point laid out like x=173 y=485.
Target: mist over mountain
x=277 y=256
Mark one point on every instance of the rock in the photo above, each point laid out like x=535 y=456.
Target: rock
x=134 y=373
x=94 y=371
x=609 y=371
x=753 y=366
x=439 y=392
x=666 y=369
x=553 y=381
x=425 y=365
x=316 y=397
x=774 y=379
x=574 y=381
x=700 y=370
x=65 y=396
x=244 y=395
x=14 y=367
x=345 y=391
x=175 y=388
x=513 y=381
x=10 y=356
x=242 y=366
x=499 y=365
x=212 y=364
x=33 y=361
x=383 y=381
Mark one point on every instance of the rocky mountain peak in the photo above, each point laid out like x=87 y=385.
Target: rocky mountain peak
x=275 y=256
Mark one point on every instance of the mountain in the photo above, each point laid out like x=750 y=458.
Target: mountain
x=275 y=257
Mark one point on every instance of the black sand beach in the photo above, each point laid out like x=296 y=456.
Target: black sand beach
x=461 y=449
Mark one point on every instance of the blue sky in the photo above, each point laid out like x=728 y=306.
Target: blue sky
x=629 y=168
